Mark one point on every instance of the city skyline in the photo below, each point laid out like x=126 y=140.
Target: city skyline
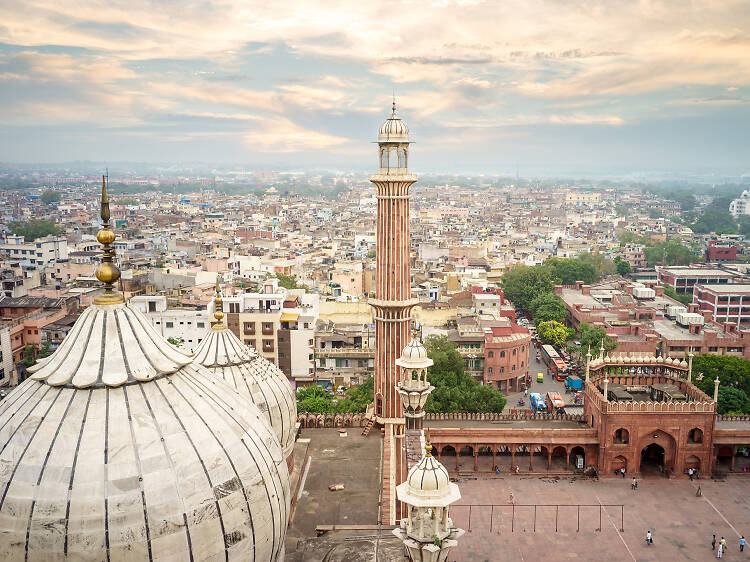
x=540 y=86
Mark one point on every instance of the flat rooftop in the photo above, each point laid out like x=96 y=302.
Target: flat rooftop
x=696 y=272
x=502 y=424
x=727 y=287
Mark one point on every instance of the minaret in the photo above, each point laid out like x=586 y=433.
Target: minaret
x=414 y=388
x=427 y=531
x=393 y=303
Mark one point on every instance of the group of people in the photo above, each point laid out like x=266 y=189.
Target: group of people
x=722 y=545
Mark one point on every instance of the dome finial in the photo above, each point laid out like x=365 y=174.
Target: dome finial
x=107 y=272
x=427 y=444
x=218 y=312
x=394 y=104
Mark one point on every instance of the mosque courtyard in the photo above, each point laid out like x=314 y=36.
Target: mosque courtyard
x=681 y=522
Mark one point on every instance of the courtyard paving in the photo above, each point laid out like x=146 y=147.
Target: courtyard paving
x=681 y=522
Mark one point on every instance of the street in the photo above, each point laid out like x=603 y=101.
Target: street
x=549 y=384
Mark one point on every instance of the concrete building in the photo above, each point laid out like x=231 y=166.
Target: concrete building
x=741 y=205
x=175 y=323
x=727 y=303
x=506 y=356
x=683 y=279
x=39 y=253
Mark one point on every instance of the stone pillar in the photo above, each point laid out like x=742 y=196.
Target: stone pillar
x=513 y=459
x=531 y=456
x=494 y=457
x=690 y=365
x=716 y=389
x=549 y=460
x=476 y=461
x=606 y=390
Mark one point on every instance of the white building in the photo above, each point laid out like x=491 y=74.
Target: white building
x=39 y=253
x=740 y=206
x=188 y=324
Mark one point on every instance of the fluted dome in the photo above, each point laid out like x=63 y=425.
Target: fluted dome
x=393 y=129
x=118 y=448
x=414 y=356
x=254 y=377
x=428 y=484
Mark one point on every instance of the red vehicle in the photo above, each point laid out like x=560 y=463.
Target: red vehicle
x=554 y=402
x=554 y=362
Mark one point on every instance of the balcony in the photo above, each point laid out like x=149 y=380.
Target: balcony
x=346 y=352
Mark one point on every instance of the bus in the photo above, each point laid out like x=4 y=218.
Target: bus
x=537 y=402
x=554 y=362
x=555 y=402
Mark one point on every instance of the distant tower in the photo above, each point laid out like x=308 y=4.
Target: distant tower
x=393 y=306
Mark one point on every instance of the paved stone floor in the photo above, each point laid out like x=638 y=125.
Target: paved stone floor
x=681 y=523
x=353 y=461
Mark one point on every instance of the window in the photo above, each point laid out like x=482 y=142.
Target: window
x=234 y=307
x=502 y=354
x=200 y=324
x=490 y=354
x=521 y=363
x=514 y=351
x=502 y=370
x=489 y=370
x=622 y=436
x=695 y=435
x=169 y=324
x=513 y=368
x=267 y=345
x=310 y=342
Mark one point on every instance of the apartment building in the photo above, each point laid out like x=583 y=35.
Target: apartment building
x=683 y=279
x=189 y=324
x=344 y=353
x=727 y=303
x=40 y=253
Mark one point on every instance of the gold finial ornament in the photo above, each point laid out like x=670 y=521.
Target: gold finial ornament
x=107 y=272
x=218 y=313
x=427 y=445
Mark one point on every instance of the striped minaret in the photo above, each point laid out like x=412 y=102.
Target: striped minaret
x=392 y=309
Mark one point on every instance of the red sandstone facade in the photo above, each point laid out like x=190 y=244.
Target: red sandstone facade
x=506 y=356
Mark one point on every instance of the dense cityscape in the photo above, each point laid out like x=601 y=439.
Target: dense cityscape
x=432 y=282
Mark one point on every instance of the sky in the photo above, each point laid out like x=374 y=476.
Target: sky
x=495 y=87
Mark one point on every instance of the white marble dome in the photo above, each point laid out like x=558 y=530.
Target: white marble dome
x=428 y=484
x=257 y=379
x=393 y=129
x=414 y=356
x=117 y=447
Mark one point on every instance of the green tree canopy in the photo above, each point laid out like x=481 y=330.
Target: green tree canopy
x=670 y=253
x=593 y=336
x=733 y=401
x=720 y=222
x=553 y=333
x=733 y=372
x=602 y=265
x=567 y=271
x=523 y=283
x=51 y=197
x=623 y=267
x=548 y=306
x=684 y=298
x=289 y=281
x=31 y=230
x=317 y=400
x=455 y=389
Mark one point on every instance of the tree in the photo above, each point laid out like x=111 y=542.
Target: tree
x=372 y=253
x=31 y=230
x=51 y=197
x=593 y=336
x=567 y=271
x=733 y=372
x=602 y=265
x=289 y=282
x=623 y=267
x=548 y=306
x=670 y=253
x=629 y=237
x=455 y=389
x=733 y=401
x=684 y=298
x=317 y=400
x=720 y=222
x=553 y=333
x=177 y=342
x=523 y=283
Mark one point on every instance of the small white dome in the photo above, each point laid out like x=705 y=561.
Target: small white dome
x=683 y=363
x=254 y=377
x=414 y=356
x=393 y=129
x=428 y=484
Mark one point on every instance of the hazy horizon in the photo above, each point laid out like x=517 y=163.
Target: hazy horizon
x=543 y=87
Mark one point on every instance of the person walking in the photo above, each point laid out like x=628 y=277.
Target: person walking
x=713 y=543
x=719 y=551
x=634 y=484
x=622 y=471
x=723 y=543
x=690 y=473
x=649 y=540
x=742 y=543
